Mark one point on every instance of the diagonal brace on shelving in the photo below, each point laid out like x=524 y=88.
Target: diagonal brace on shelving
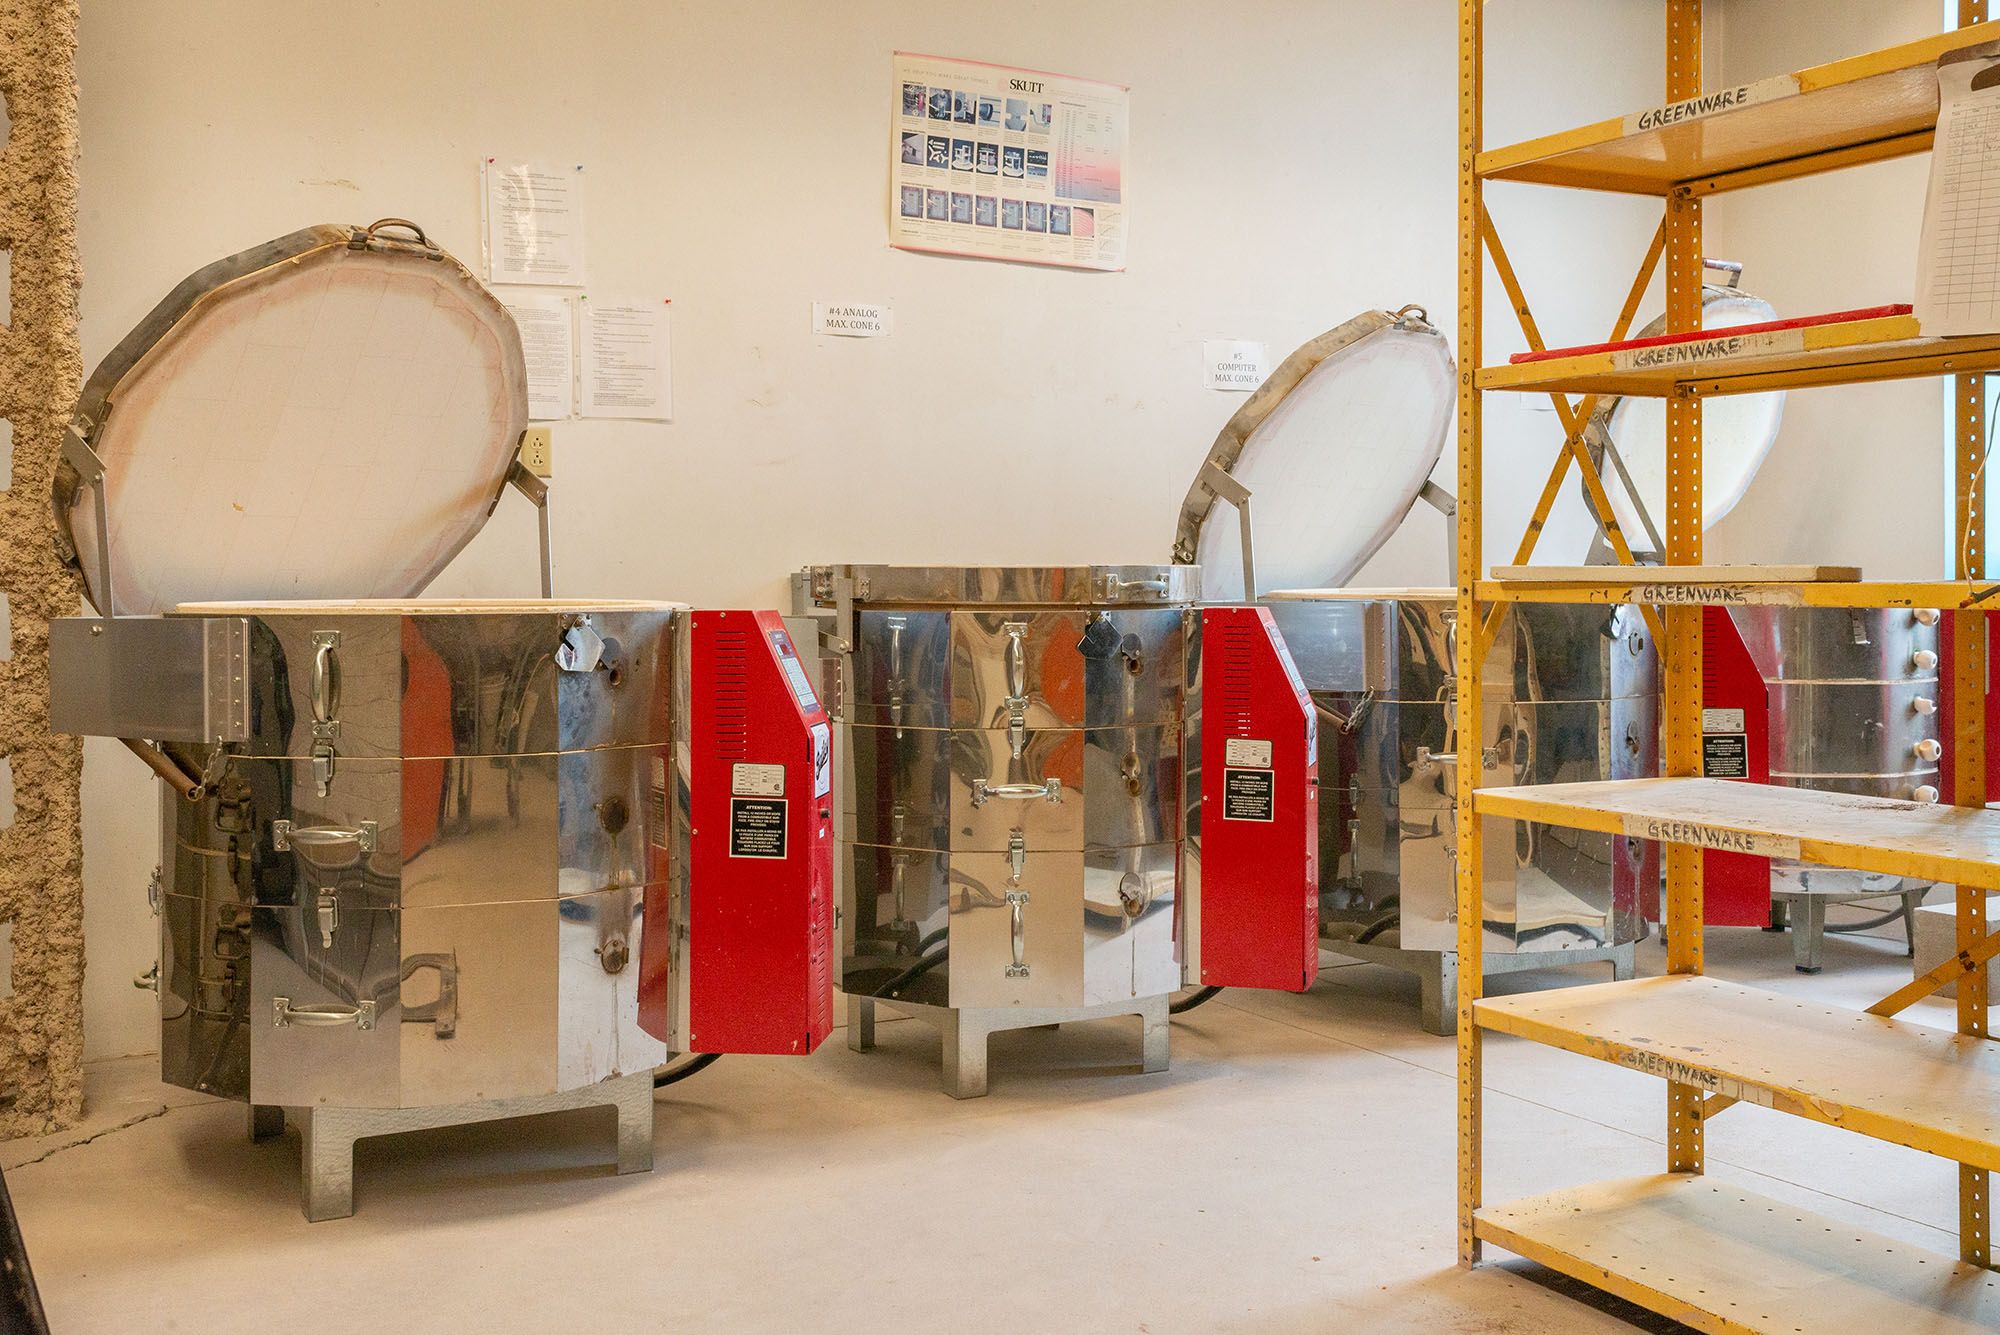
x=1575 y=418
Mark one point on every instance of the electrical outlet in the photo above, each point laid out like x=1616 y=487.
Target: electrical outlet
x=538 y=451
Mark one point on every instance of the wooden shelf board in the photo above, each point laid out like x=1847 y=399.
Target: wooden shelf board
x=1722 y=1259
x=1741 y=574
x=1886 y=348
x=1882 y=104
x=1928 y=841
x=1910 y=1084
x=1612 y=585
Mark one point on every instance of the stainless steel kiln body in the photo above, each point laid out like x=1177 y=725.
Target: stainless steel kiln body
x=1573 y=695
x=419 y=878
x=1851 y=697
x=1011 y=822
x=406 y=845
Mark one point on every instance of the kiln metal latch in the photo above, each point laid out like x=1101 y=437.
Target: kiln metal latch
x=325 y=706
x=285 y=836
x=1017 y=903
x=1017 y=687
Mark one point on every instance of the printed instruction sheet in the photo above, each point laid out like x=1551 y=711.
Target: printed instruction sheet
x=534 y=222
x=1006 y=163
x=1958 y=262
x=547 y=321
x=626 y=360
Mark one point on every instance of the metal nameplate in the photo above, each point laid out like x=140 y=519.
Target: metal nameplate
x=1699 y=352
x=1248 y=752
x=1717 y=103
x=1722 y=720
x=752 y=780
x=1710 y=836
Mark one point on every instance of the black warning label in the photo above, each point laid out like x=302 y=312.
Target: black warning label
x=1725 y=755
x=756 y=827
x=1249 y=794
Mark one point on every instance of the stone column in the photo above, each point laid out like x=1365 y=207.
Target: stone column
x=41 y=369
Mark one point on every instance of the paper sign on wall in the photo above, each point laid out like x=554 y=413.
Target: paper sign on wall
x=1007 y=163
x=847 y=319
x=626 y=360
x=534 y=222
x=1235 y=365
x=547 y=321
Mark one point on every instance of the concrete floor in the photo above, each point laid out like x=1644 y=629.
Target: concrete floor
x=1293 y=1172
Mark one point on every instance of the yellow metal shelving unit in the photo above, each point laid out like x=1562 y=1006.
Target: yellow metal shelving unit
x=1704 y=1253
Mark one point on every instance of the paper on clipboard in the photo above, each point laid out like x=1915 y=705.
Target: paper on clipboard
x=627 y=360
x=1958 y=260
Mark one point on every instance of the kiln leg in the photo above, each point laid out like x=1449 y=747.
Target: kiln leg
x=964 y=1055
x=327 y=1135
x=1624 y=963
x=265 y=1122
x=326 y=1163
x=860 y=1023
x=1808 y=933
x=1158 y=1029
x=1912 y=901
x=633 y=1098
x=1438 y=982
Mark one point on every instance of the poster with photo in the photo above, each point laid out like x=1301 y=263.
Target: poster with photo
x=1007 y=164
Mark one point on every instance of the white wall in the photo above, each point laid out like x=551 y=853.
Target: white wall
x=1293 y=164
x=1858 y=473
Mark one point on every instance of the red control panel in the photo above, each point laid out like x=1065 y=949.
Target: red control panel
x=1258 y=818
x=759 y=946
x=1736 y=887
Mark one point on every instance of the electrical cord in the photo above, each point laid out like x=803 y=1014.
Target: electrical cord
x=1186 y=1004
x=888 y=991
x=1867 y=924
x=673 y=1075
x=1376 y=928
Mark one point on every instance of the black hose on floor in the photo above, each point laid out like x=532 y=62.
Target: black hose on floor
x=1376 y=928
x=673 y=1075
x=1186 y=1004
x=889 y=990
x=1867 y=924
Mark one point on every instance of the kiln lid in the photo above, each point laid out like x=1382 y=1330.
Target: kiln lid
x=1737 y=430
x=328 y=415
x=1334 y=449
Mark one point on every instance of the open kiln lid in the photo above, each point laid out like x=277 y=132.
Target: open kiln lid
x=1334 y=448
x=1737 y=430
x=328 y=415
